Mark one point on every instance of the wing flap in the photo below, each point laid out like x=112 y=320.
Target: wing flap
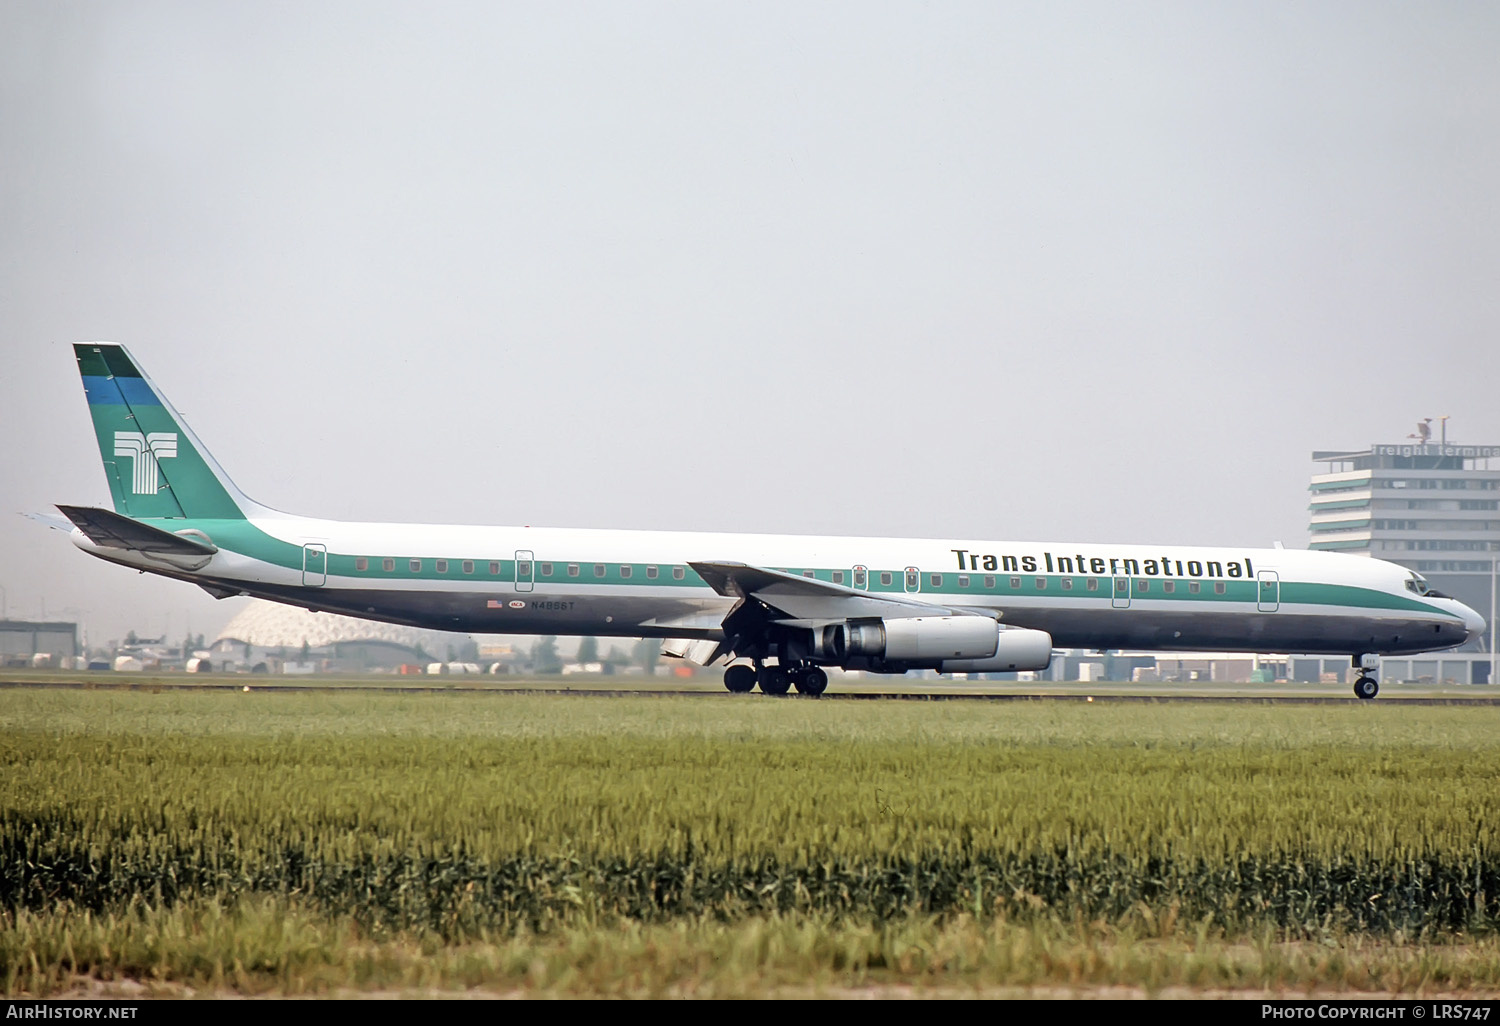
x=694 y=650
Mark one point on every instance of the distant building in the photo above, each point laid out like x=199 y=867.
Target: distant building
x=1430 y=506
x=269 y=637
x=22 y=640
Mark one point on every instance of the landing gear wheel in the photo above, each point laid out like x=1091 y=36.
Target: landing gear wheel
x=811 y=680
x=774 y=680
x=1366 y=688
x=739 y=678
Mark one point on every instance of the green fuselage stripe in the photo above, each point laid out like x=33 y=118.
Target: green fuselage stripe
x=245 y=538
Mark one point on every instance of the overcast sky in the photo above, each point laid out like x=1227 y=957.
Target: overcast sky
x=1073 y=271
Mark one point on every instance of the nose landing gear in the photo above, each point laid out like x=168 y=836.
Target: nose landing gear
x=1365 y=686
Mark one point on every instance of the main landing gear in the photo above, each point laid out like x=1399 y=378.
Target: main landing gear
x=776 y=680
x=1365 y=686
x=739 y=678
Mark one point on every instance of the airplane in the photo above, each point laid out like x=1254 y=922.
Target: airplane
x=775 y=609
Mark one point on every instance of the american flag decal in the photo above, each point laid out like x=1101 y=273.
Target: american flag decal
x=495 y=604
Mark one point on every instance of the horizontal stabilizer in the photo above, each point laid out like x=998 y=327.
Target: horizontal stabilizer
x=112 y=531
x=52 y=520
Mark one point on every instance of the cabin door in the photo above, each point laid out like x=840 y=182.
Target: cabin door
x=1268 y=592
x=525 y=572
x=314 y=566
x=1120 y=598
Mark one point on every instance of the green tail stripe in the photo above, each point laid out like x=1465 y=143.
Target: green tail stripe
x=155 y=466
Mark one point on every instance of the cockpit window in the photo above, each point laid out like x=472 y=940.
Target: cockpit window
x=1417 y=583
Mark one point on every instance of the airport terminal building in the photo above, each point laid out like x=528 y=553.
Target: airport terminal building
x=1430 y=506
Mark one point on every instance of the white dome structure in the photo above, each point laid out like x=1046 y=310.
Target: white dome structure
x=274 y=625
x=268 y=637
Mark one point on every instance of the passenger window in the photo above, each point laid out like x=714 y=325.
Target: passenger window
x=361 y=563
x=963 y=580
x=1219 y=587
x=678 y=573
x=937 y=580
x=416 y=566
x=1169 y=586
x=1041 y=584
x=546 y=569
x=598 y=569
x=1015 y=583
x=838 y=577
x=442 y=566
x=495 y=567
x=885 y=578
x=1194 y=587
x=387 y=565
x=468 y=566
x=626 y=569
x=651 y=573
x=809 y=573
x=1093 y=584
x=1067 y=584
x=572 y=569
x=989 y=582
x=1141 y=586
x=523 y=568
x=1122 y=586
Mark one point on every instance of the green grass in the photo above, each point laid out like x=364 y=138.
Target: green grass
x=273 y=947
x=311 y=842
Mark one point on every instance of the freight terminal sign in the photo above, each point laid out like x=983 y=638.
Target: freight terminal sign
x=1434 y=449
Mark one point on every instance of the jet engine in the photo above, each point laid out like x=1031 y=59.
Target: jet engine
x=1018 y=648
x=912 y=638
x=950 y=644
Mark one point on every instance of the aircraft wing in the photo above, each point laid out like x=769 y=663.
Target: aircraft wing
x=806 y=601
x=113 y=531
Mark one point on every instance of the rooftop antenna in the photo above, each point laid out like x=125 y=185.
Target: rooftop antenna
x=1444 y=424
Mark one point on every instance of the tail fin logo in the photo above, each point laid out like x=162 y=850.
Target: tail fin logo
x=144 y=451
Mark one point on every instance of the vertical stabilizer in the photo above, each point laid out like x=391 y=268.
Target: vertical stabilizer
x=155 y=465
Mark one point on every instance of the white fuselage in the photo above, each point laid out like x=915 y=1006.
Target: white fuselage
x=640 y=583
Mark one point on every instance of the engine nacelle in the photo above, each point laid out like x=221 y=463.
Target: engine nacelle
x=1018 y=648
x=913 y=638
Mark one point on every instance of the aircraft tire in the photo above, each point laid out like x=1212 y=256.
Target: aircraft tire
x=775 y=681
x=811 y=680
x=740 y=679
x=1366 y=688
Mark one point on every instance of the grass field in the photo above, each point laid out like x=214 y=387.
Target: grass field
x=321 y=843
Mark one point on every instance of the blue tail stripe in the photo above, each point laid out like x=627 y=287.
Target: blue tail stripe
x=103 y=391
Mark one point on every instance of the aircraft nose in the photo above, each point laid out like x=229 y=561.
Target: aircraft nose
x=1473 y=623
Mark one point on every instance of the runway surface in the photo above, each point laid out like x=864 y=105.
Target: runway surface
x=849 y=690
